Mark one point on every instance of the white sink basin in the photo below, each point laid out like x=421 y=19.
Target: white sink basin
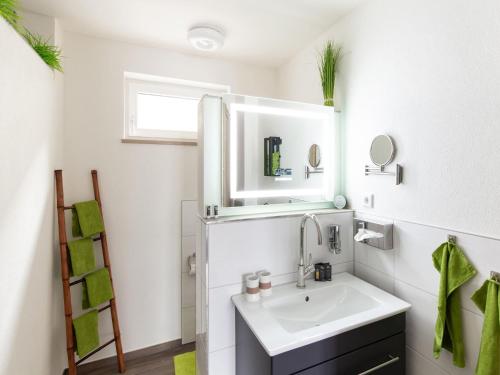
x=294 y=317
x=311 y=308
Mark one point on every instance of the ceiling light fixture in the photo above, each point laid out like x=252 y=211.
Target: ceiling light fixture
x=206 y=38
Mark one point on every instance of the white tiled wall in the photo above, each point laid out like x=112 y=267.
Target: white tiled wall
x=408 y=272
x=238 y=248
x=188 y=282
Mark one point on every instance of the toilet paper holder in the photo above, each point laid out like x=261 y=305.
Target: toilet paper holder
x=191 y=264
x=384 y=243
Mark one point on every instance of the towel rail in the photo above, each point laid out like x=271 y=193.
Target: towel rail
x=76 y=282
x=104 y=308
x=93 y=239
x=95 y=351
x=66 y=207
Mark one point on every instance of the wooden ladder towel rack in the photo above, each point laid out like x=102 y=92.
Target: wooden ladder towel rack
x=68 y=310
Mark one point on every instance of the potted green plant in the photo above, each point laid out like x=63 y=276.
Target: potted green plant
x=327 y=65
x=49 y=53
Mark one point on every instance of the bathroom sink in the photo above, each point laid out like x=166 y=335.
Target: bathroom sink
x=294 y=317
x=311 y=308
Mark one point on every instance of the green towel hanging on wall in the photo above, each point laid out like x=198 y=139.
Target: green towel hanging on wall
x=87 y=219
x=81 y=253
x=455 y=270
x=487 y=299
x=86 y=333
x=96 y=288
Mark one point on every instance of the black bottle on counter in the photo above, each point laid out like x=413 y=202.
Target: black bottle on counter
x=323 y=272
x=328 y=272
x=319 y=272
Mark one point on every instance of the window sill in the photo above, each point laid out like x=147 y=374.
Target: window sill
x=161 y=141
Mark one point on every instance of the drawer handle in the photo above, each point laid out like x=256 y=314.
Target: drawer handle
x=386 y=363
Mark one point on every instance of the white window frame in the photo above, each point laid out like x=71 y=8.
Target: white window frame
x=136 y=83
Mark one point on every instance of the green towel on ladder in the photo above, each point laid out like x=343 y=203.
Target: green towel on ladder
x=87 y=219
x=86 y=333
x=96 y=288
x=81 y=253
x=487 y=299
x=455 y=270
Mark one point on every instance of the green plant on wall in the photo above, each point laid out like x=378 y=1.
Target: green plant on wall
x=327 y=65
x=49 y=53
x=8 y=12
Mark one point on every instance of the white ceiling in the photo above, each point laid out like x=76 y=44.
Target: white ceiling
x=264 y=32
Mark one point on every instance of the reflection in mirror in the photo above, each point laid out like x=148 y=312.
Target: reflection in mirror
x=267 y=142
x=382 y=150
x=314 y=156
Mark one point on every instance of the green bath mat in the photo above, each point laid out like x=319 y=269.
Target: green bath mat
x=185 y=364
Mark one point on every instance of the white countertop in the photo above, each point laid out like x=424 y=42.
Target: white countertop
x=285 y=321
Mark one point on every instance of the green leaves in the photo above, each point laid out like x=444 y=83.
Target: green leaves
x=8 y=11
x=49 y=53
x=327 y=65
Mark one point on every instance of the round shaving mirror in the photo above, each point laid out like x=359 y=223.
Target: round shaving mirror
x=382 y=150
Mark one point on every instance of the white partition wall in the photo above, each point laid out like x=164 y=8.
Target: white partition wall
x=32 y=334
x=235 y=248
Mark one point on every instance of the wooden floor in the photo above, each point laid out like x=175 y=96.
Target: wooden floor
x=152 y=362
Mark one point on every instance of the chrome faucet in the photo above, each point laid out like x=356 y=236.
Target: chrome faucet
x=305 y=270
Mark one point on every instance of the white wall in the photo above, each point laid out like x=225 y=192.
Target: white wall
x=32 y=339
x=426 y=73
x=232 y=251
x=142 y=185
x=40 y=24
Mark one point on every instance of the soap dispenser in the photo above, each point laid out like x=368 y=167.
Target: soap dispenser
x=334 y=238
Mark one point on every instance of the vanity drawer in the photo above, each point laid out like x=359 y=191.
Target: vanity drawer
x=305 y=357
x=386 y=357
x=350 y=353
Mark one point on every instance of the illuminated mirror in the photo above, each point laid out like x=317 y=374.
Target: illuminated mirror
x=266 y=150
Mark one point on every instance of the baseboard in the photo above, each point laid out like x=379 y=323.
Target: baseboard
x=151 y=350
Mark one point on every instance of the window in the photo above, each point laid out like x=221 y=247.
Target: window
x=163 y=110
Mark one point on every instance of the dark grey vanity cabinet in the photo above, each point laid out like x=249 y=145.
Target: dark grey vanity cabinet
x=377 y=348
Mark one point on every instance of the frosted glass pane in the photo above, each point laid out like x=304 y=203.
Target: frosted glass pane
x=158 y=112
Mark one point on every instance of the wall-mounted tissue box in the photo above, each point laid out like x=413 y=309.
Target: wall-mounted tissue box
x=386 y=229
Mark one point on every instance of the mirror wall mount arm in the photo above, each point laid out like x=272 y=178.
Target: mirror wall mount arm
x=310 y=171
x=381 y=171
